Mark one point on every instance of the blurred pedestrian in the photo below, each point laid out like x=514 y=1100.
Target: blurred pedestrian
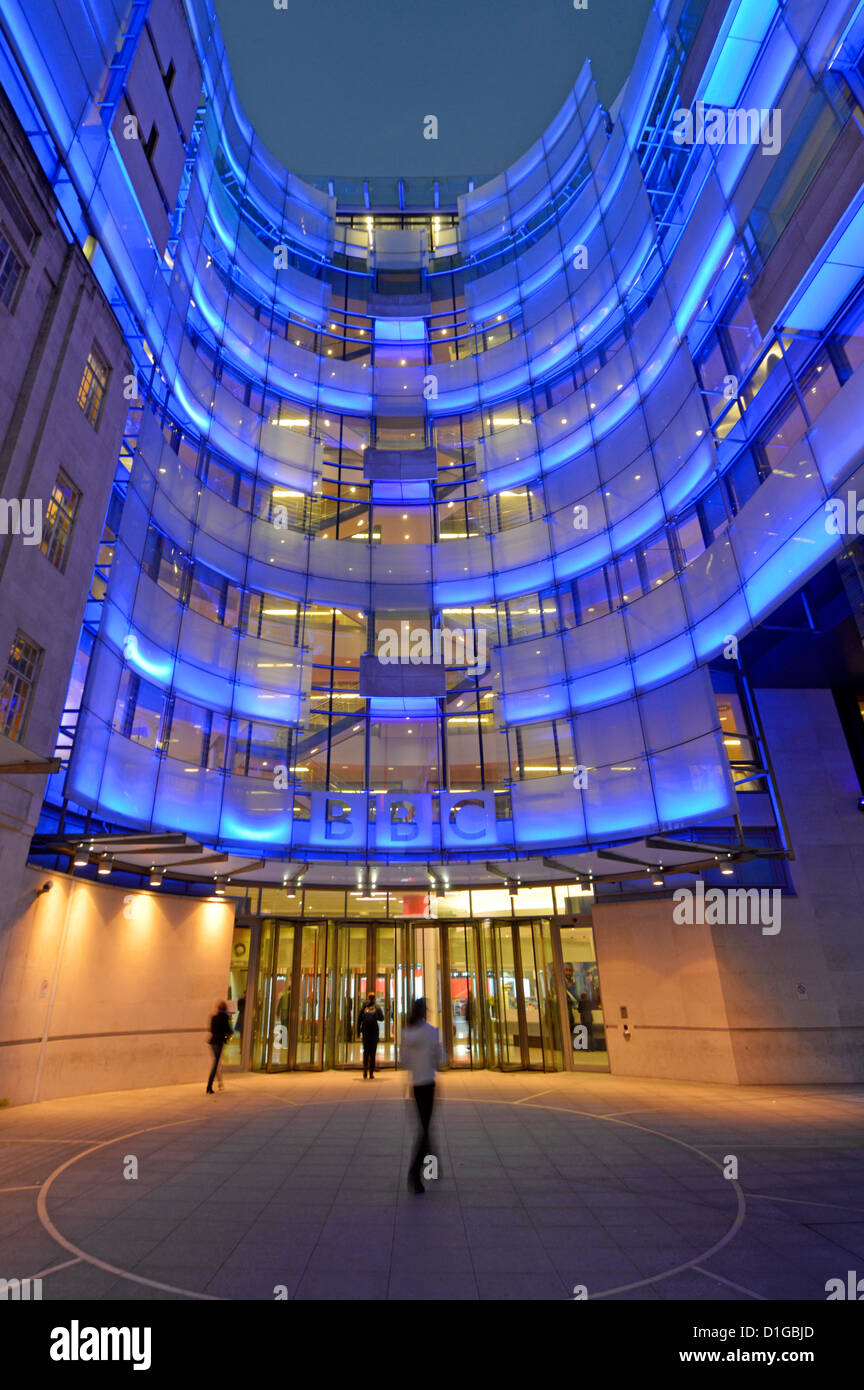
x=220 y=1032
x=423 y=1054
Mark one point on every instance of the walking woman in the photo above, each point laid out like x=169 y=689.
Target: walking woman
x=220 y=1032
x=423 y=1054
x=367 y=1028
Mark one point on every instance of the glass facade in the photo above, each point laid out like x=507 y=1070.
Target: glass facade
x=435 y=531
x=499 y=991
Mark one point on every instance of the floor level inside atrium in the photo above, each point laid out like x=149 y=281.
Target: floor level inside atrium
x=294 y=1186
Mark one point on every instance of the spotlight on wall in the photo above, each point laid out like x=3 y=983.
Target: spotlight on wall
x=46 y=887
x=106 y=864
x=81 y=859
x=156 y=877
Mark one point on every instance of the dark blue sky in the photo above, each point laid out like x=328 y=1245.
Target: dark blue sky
x=342 y=86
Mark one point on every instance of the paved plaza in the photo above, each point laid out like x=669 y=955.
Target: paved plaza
x=546 y=1182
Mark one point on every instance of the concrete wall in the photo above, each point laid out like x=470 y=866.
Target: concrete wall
x=667 y=977
x=45 y=338
x=104 y=989
x=819 y=1037
x=729 y=1003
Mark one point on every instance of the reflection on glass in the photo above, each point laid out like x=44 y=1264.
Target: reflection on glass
x=502 y=997
x=466 y=1048
x=521 y=996
x=282 y=982
x=544 y=1044
x=350 y=993
x=236 y=996
x=263 y=998
x=584 y=1004
x=492 y=989
x=387 y=992
x=309 y=988
x=426 y=972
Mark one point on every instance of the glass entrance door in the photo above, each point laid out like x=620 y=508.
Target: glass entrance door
x=388 y=982
x=520 y=997
x=583 y=1003
x=505 y=1006
x=232 y=1052
x=351 y=987
x=288 y=1025
x=368 y=958
x=463 y=1019
x=492 y=989
x=310 y=968
x=273 y=997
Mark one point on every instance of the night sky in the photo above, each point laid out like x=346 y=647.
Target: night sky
x=341 y=86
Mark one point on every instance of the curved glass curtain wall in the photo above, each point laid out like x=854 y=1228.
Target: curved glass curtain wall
x=256 y=563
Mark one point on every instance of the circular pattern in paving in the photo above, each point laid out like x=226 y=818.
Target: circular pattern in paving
x=533 y=1199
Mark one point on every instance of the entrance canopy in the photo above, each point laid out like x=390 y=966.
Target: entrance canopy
x=176 y=856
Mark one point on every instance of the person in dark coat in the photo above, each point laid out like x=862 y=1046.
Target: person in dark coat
x=220 y=1032
x=367 y=1028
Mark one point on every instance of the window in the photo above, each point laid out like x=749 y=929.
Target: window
x=523 y=617
x=11 y=271
x=744 y=335
x=629 y=578
x=656 y=561
x=94 y=382
x=819 y=386
x=691 y=542
x=139 y=709
x=207 y=593
x=742 y=480
x=713 y=515
x=59 y=519
x=186 y=740
x=714 y=371
x=255 y=749
x=741 y=748
x=16 y=692
x=537 y=751
x=766 y=365
x=783 y=433
x=591 y=596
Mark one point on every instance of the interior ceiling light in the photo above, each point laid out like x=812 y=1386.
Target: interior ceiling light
x=156 y=877
x=106 y=863
x=82 y=858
